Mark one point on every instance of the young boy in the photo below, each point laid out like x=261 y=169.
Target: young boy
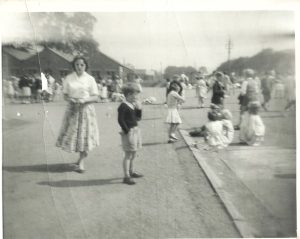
x=129 y=113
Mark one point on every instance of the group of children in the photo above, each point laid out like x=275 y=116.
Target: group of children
x=218 y=132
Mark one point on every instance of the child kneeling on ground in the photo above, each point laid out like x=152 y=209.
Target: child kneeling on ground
x=129 y=113
x=252 y=127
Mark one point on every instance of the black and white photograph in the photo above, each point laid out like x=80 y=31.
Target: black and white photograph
x=138 y=122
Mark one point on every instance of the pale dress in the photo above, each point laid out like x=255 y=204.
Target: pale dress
x=201 y=88
x=215 y=134
x=79 y=130
x=252 y=129
x=228 y=130
x=173 y=100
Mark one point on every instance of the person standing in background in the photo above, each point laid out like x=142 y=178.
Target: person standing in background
x=218 y=90
x=266 y=87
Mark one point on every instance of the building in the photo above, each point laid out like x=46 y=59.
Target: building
x=146 y=75
x=16 y=62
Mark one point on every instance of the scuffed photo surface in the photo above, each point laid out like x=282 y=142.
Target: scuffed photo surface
x=202 y=146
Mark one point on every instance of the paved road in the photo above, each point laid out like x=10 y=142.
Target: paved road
x=43 y=198
x=267 y=171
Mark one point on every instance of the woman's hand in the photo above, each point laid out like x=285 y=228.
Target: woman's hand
x=81 y=101
x=73 y=100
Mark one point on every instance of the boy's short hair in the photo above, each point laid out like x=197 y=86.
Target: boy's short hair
x=130 y=88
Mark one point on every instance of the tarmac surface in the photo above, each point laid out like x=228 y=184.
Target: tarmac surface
x=44 y=198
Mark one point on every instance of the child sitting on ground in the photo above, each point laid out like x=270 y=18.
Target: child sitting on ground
x=252 y=127
x=215 y=137
x=201 y=132
x=228 y=129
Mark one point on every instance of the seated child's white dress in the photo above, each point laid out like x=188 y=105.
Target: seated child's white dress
x=252 y=129
x=215 y=135
x=228 y=130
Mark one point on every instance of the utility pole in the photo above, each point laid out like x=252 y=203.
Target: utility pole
x=229 y=48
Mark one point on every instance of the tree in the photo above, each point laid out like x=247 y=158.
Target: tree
x=68 y=32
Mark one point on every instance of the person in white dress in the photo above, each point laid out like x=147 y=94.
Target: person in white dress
x=173 y=117
x=201 y=90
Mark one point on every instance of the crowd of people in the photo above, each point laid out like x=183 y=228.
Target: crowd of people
x=43 y=87
x=79 y=130
x=255 y=94
x=32 y=88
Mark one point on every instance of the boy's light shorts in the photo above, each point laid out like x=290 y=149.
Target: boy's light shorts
x=131 y=141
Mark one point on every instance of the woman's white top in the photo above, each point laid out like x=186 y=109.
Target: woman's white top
x=80 y=87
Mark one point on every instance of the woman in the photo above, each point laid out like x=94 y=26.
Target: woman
x=79 y=131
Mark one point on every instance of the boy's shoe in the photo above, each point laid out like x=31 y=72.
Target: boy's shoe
x=171 y=140
x=136 y=175
x=128 y=181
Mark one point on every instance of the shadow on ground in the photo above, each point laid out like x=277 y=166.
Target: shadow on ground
x=47 y=168
x=154 y=143
x=81 y=183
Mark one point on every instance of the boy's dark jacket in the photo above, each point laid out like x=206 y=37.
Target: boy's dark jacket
x=127 y=117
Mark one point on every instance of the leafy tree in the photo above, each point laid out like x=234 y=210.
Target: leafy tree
x=68 y=32
x=266 y=60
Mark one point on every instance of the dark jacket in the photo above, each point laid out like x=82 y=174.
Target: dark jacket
x=218 y=93
x=127 y=117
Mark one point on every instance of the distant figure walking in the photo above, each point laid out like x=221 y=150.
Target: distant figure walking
x=201 y=90
x=290 y=91
x=266 y=86
x=79 y=131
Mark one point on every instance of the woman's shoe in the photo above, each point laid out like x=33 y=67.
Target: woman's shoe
x=79 y=170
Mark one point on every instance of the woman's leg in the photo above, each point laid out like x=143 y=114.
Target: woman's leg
x=80 y=161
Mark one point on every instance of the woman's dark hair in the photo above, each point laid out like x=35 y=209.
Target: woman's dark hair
x=173 y=85
x=80 y=58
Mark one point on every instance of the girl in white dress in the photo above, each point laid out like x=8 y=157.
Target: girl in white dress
x=173 y=117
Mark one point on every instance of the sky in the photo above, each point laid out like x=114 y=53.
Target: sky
x=155 y=40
